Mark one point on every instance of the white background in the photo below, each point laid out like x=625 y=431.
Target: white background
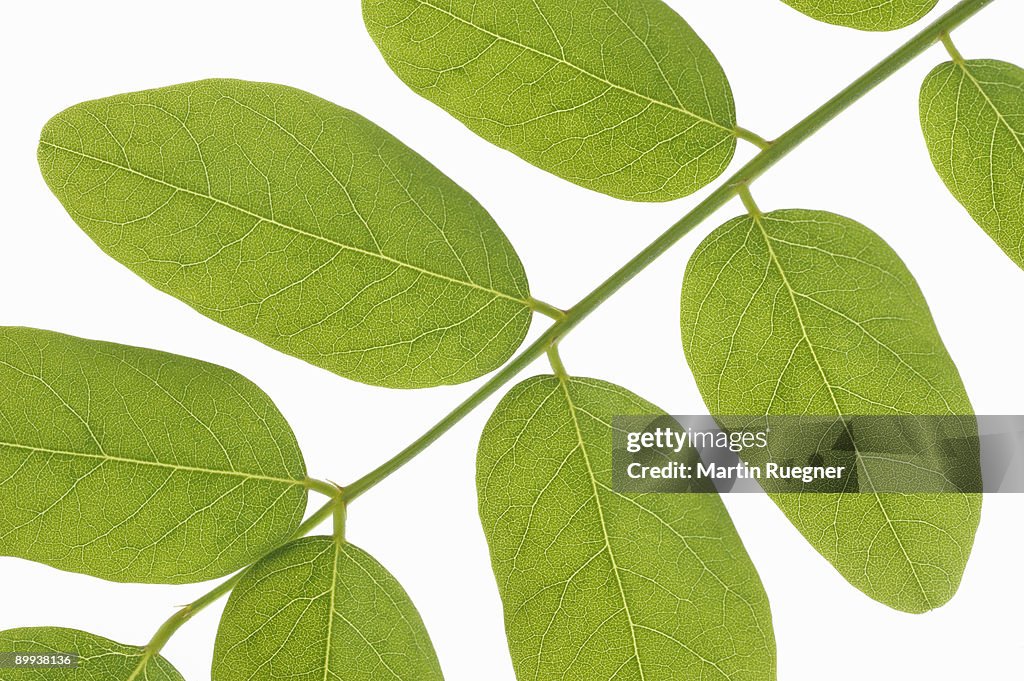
x=422 y=523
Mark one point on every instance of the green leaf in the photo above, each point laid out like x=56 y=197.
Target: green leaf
x=619 y=96
x=321 y=609
x=866 y=15
x=972 y=114
x=139 y=466
x=805 y=312
x=296 y=222
x=99 y=659
x=602 y=585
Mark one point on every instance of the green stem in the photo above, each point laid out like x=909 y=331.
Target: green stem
x=728 y=190
x=328 y=489
x=175 y=621
x=556 y=362
x=748 y=201
x=546 y=309
x=752 y=137
x=947 y=42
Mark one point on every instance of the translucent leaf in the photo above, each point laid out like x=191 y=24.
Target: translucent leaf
x=296 y=222
x=322 y=609
x=805 y=312
x=866 y=15
x=139 y=466
x=98 y=659
x=602 y=585
x=972 y=113
x=619 y=96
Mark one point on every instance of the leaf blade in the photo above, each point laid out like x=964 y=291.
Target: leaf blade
x=804 y=312
x=627 y=609
x=970 y=117
x=296 y=222
x=182 y=444
x=100 y=659
x=370 y=628
x=651 y=120
x=865 y=15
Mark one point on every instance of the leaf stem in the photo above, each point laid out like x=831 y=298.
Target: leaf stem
x=748 y=201
x=727 y=191
x=175 y=621
x=752 y=137
x=328 y=489
x=556 y=362
x=546 y=309
x=947 y=42
x=340 y=514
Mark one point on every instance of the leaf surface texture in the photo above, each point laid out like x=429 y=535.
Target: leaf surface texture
x=866 y=15
x=601 y=585
x=972 y=114
x=296 y=222
x=806 y=312
x=136 y=465
x=99 y=659
x=322 y=609
x=619 y=96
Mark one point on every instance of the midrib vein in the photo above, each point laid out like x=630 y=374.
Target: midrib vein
x=578 y=69
x=290 y=228
x=604 y=526
x=330 y=606
x=992 y=105
x=153 y=464
x=835 y=403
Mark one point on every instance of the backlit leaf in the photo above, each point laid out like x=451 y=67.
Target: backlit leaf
x=139 y=466
x=602 y=585
x=619 y=96
x=867 y=15
x=972 y=113
x=98 y=659
x=805 y=312
x=296 y=222
x=322 y=609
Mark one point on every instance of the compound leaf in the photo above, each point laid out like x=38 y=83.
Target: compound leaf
x=602 y=585
x=139 y=466
x=296 y=222
x=98 y=658
x=866 y=15
x=805 y=312
x=319 y=609
x=972 y=114
x=619 y=96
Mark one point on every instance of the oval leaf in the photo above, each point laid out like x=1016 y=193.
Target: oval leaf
x=98 y=658
x=322 y=609
x=139 y=466
x=972 y=114
x=866 y=15
x=618 y=96
x=805 y=312
x=296 y=222
x=602 y=585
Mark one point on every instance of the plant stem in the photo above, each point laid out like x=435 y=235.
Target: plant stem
x=175 y=621
x=546 y=309
x=728 y=190
x=328 y=489
x=752 y=137
x=947 y=42
x=556 y=362
x=748 y=201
